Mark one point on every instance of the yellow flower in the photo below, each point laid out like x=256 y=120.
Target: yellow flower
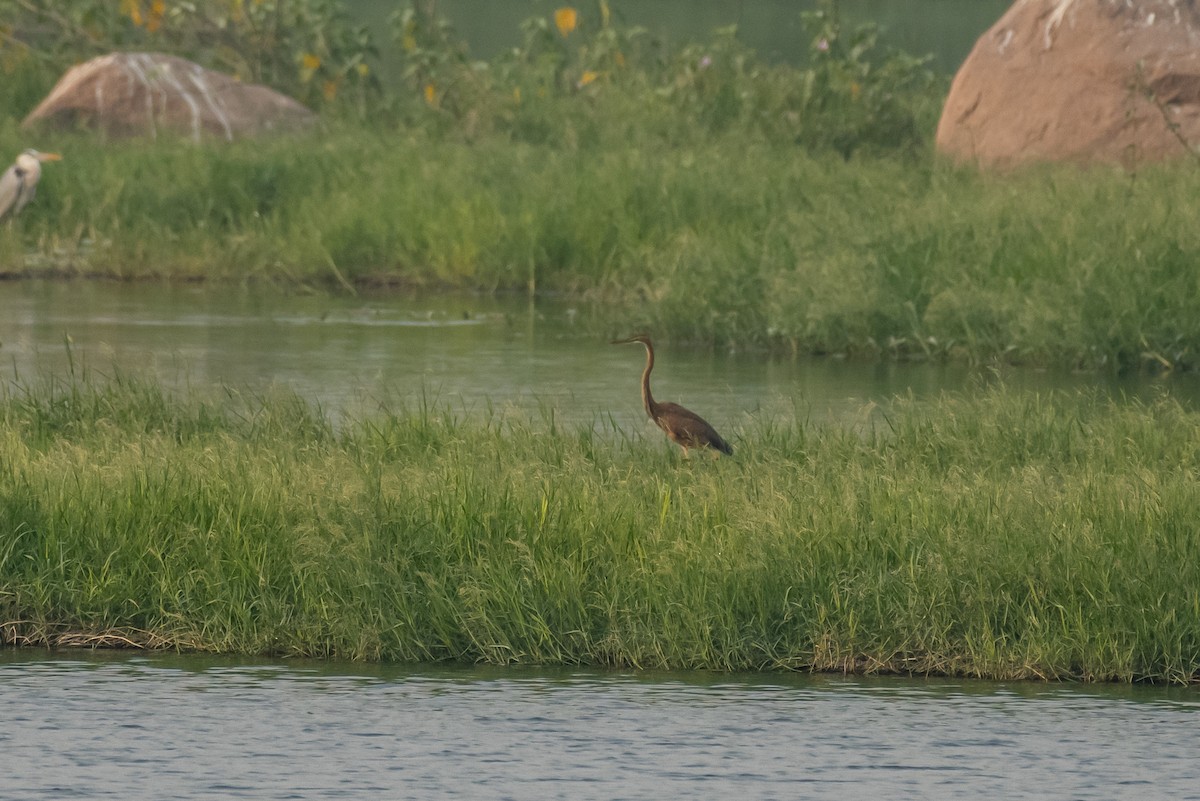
x=157 y=9
x=855 y=90
x=133 y=10
x=431 y=95
x=587 y=77
x=330 y=90
x=363 y=70
x=565 y=19
x=310 y=62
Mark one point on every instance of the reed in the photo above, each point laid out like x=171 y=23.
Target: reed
x=1002 y=534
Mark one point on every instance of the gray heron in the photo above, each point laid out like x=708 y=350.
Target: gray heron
x=19 y=182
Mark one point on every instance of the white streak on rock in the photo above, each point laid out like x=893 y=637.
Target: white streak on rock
x=1056 y=18
x=134 y=69
x=1005 y=41
x=169 y=76
x=197 y=77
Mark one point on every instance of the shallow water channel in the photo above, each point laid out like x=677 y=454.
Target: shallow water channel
x=472 y=355
x=110 y=725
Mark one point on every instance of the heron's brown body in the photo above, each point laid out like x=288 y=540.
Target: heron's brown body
x=683 y=426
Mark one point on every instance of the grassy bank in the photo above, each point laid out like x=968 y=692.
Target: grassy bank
x=721 y=241
x=703 y=193
x=1002 y=535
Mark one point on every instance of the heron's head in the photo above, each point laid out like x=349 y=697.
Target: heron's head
x=40 y=156
x=641 y=338
x=31 y=161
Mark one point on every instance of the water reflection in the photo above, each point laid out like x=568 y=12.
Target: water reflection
x=133 y=727
x=472 y=354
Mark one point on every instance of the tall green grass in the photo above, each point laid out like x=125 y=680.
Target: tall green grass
x=1003 y=534
x=699 y=190
x=721 y=240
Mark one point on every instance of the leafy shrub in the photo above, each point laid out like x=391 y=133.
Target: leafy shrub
x=577 y=79
x=306 y=48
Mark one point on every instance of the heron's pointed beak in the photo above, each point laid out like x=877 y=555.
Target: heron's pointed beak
x=49 y=157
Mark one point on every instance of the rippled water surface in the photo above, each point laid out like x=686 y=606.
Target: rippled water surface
x=474 y=355
x=96 y=725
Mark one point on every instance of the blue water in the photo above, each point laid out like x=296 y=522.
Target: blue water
x=131 y=727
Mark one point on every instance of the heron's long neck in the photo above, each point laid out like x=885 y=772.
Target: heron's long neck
x=647 y=398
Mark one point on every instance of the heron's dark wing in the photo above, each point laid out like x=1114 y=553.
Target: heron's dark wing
x=12 y=191
x=688 y=428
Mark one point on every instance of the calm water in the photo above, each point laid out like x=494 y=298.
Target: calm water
x=98 y=726
x=474 y=355
x=944 y=29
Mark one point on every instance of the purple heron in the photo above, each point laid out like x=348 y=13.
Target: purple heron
x=19 y=182
x=682 y=426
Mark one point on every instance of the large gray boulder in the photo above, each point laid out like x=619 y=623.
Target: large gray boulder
x=1113 y=81
x=144 y=94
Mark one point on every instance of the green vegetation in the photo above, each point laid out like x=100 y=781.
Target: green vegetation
x=306 y=48
x=719 y=242
x=1004 y=535
x=700 y=192
x=574 y=68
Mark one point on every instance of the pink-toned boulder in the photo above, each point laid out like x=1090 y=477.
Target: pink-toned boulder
x=1114 y=81
x=145 y=94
